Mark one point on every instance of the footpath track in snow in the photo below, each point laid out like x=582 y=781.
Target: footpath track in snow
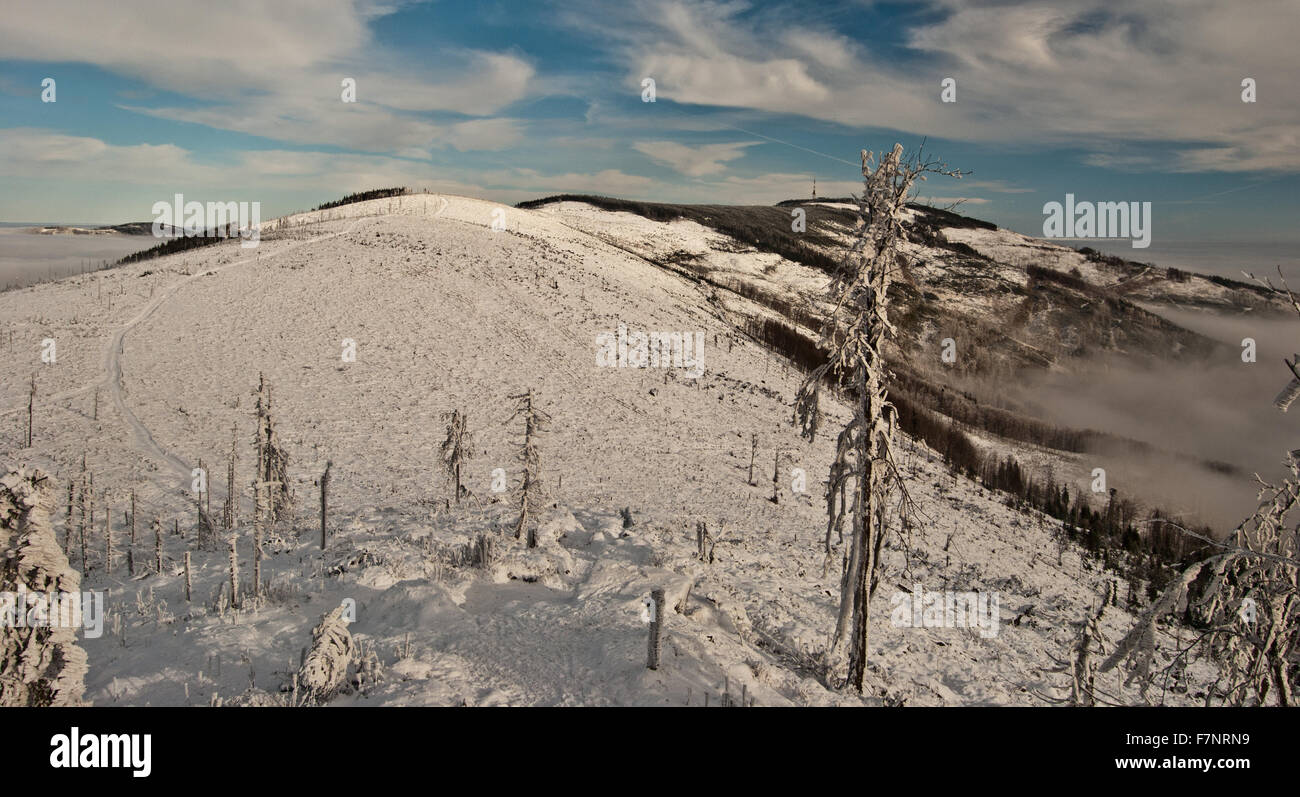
x=112 y=376
x=113 y=355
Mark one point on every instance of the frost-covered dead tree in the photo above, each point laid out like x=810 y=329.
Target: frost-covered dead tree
x=31 y=403
x=776 y=477
x=1082 y=668
x=262 y=520
x=1244 y=600
x=457 y=449
x=108 y=539
x=81 y=505
x=67 y=526
x=202 y=505
x=704 y=542
x=325 y=667
x=157 y=545
x=228 y=508
x=88 y=529
x=39 y=666
x=232 y=541
x=854 y=337
x=531 y=497
x=272 y=459
x=324 y=501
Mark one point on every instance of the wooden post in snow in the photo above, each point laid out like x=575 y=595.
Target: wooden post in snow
x=656 y=624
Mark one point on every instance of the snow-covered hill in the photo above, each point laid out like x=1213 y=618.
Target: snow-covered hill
x=157 y=361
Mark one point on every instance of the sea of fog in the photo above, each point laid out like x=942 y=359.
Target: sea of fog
x=26 y=259
x=1218 y=411
x=1225 y=259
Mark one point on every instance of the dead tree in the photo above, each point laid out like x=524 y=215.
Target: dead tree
x=67 y=527
x=704 y=542
x=324 y=500
x=324 y=669
x=457 y=449
x=854 y=337
x=108 y=538
x=1082 y=669
x=87 y=517
x=531 y=494
x=263 y=517
x=157 y=545
x=753 y=453
x=228 y=509
x=272 y=459
x=202 y=522
x=234 y=570
x=42 y=664
x=31 y=403
x=776 y=477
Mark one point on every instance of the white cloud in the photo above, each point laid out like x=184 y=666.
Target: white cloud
x=66 y=164
x=693 y=161
x=189 y=47
x=1075 y=72
x=275 y=69
x=483 y=84
x=483 y=134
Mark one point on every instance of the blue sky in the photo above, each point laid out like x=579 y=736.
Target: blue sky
x=508 y=101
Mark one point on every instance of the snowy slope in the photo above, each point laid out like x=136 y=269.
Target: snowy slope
x=448 y=313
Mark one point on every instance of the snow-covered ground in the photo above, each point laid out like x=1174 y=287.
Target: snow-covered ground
x=156 y=361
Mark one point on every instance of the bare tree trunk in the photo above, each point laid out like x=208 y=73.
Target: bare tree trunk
x=257 y=555
x=776 y=476
x=228 y=509
x=67 y=529
x=198 y=505
x=157 y=546
x=234 y=572
x=90 y=505
x=31 y=403
x=108 y=540
x=324 y=498
x=188 y=581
